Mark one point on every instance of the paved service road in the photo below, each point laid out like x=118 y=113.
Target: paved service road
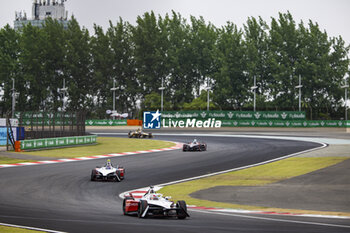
x=62 y=197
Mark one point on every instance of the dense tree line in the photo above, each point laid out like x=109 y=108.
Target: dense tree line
x=186 y=55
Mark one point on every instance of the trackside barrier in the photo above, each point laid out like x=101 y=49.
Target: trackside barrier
x=235 y=115
x=55 y=142
x=106 y=122
x=113 y=122
x=135 y=122
x=286 y=123
x=269 y=123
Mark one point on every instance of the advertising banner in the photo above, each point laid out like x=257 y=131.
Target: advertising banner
x=235 y=115
x=286 y=123
x=13 y=122
x=46 y=118
x=181 y=122
x=3 y=135
x=106 y=122
x=48 y=115
x=57 y=142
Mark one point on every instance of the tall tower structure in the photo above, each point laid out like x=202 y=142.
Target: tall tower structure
x=41 y=10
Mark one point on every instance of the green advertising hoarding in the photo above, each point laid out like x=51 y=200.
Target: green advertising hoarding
x=235 y=115
x=106 y=122
x=47 y=115
x=263 y=123
x=46 y=118
x=276 y=123
x=28 y=122
x=57 y=142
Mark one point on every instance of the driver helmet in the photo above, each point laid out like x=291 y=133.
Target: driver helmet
x=109 y=164
x=151 y=190
x=195 y=141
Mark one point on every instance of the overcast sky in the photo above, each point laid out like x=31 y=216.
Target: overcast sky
x=331 y=15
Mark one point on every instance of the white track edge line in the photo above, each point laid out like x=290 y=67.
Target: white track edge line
x=93 y=157
x=31 y=228
x=323 y=145
x=244 y=167
x=273 y=219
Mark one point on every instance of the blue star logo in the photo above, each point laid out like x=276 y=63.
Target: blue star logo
x=151 y=120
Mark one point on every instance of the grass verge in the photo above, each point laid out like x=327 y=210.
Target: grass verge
x=255 y=176
x=7 y=160
x=105 y=145
x=4 y=229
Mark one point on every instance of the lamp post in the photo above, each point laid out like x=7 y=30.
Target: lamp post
x=208 y=88
x=63 y=91
x=14 y=95
x=162 y=88
x=113 y=89
x=299 y=87
x=253 y=88
x=346 y=86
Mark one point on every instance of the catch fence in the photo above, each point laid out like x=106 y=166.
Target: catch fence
x=38 y=125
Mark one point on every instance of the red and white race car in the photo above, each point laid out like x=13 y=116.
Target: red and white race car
x=154 y=204
x=108 y=172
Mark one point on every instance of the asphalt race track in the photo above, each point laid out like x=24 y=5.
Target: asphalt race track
x=61 y=197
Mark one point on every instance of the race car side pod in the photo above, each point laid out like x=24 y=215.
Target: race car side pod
x=145 y=212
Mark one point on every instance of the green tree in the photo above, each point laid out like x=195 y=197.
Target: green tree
x=285 y=51
x=123 y=64
x=9 y=65
x=201 y=103
x=230 y=81
x=180 y=82
x=102 y=65
x=150 y=52
x=32 y=64
x=153 y=102
x=257 y=56
x=203 y=38
x=53 y=47
x=78 y=67
x=185 y=55
x=320 y=71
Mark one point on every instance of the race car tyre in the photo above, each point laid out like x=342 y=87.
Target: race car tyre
x=150 y=135
x=182 y=209
x=92 y=176
x=124 y=210
x=142 y=207
x=130 y=135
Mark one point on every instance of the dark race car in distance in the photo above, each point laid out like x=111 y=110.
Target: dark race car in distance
x=194 y=146
x=139 y=134
x=108 y=173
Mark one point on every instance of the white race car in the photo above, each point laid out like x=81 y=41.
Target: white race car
x=108 y=172
x=154 y=204
x=194 y=146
